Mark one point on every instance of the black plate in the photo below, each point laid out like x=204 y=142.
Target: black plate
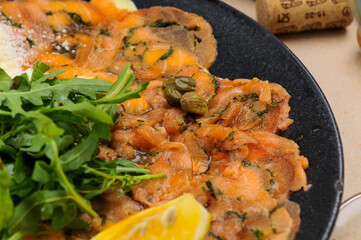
x=247 y=50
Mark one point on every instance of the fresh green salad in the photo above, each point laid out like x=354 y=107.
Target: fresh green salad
x=49 y=136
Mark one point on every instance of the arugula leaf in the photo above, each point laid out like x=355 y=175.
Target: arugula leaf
x=80 y=154
x=6 y=204
x=49 y=135
x=39 y=206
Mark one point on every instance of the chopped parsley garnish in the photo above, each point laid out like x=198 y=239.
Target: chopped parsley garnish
x=261 y=113
x=50 y=13
x=160 y=23
x=185 y=127
x=247 y=163
x=30 y=42
x=209 y=185
x=219 y=192
x=156 y=153
x=126 y=39
x=254 y=97
x=272 y=182
x=104 y=32
x=215 y=83
x=212 y=235
x=14 y=24
x=258 y=234
x=231 y=136
x=272 y=105
x=76 y=18
x=222 y=111
x=167 y=54
x=240 y=215
x=195 y=28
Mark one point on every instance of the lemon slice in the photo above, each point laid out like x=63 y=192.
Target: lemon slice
x=125 y=4
x=181 y=218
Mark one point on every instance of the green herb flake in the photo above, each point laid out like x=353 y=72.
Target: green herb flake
x=160 y=23
x=104 y=32
x=50 y=13
x=185 y=127
x=230 y=136
x=222 y=111
x=129 y=36
x=156 y=153
x=14 y=24
x=219 y=192
x=247 y=163
x=261 y=113
x=30 y=42
x=240 y=215
x=209 y=185
x=184 y=117
x=272 y=105
x=270 y=172
x=258 y=234
x=215 y=83
x=272 y=182
x=254 y=97
x=76 y=18
x=212 y=235
x=195 y=28
x=167 y=54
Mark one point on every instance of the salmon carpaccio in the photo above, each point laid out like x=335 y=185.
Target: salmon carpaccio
x=231 y=159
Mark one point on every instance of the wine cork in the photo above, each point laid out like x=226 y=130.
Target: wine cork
x=284 y=16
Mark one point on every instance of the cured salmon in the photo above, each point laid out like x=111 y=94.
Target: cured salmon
x=231 y=158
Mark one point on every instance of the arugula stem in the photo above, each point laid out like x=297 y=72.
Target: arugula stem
x=2 y=125
x=120 y=178
x=124 y=77
x=129 y=170
x=14 y=132
x=17 y=236
x=135 y=170
x=5 y=113
x=68 y=187
x=150 y=177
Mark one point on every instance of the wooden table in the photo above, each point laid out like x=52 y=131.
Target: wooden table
x=334 y=59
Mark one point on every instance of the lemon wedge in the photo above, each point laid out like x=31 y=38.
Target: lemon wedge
x=181 y=218
x=125 y=4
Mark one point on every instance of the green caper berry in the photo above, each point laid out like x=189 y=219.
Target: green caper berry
x=169 y=83
x=172 y=96
x=181 y=83
x=193 y=102
x=185 y=84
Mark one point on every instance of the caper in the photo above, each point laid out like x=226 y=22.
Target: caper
x=169 y=83
x=181 y=83
x=172 y=96
x=193 y=102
